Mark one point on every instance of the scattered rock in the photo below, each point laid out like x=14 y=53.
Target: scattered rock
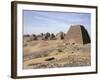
x=50 y=59
x=59 y=50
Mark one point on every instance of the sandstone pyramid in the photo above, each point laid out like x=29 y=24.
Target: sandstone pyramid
x=77 y=34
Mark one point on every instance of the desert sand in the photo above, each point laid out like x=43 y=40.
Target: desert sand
x=55 y=53
x=47 y=50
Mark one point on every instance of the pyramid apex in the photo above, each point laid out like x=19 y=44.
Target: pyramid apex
x=77 y=25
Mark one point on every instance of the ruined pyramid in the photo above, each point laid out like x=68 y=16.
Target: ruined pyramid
x=77 y=34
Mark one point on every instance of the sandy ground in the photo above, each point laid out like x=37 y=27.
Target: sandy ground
x=55 y=53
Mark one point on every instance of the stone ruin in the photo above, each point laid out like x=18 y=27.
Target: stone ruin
x=60 y=35
x=77 y=34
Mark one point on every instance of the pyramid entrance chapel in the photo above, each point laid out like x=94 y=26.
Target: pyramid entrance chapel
x=77 y=34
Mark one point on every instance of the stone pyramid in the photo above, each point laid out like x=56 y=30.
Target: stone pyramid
x=77 y=34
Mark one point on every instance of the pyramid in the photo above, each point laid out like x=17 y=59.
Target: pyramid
x=77 y=34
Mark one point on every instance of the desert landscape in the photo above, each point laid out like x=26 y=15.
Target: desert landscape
x=49 y=50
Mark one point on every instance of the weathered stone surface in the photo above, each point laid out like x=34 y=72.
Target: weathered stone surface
x=34 y=37
x=77 y=34
x=52 y=37
x=40 y=37
x=47 y=36
x=60 y=36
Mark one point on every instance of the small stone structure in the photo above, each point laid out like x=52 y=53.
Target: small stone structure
x=60 y=36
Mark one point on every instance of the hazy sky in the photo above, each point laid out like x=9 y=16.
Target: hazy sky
x=36 y=22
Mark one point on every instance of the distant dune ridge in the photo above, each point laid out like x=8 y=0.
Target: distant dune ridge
x=49 y=50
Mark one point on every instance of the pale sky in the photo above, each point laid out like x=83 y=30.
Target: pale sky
x=36 y=22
